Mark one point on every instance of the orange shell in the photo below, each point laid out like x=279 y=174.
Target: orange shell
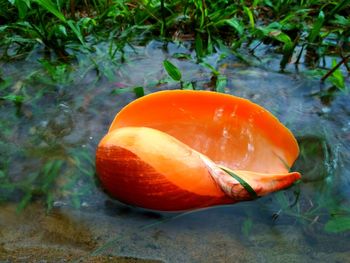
x=162 y=151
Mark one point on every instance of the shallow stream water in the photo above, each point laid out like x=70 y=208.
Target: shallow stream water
x=51 y=207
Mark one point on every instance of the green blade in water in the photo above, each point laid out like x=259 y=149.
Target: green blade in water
x=246 y=186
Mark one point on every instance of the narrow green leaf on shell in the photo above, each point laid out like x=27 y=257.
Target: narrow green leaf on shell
x=246 y=186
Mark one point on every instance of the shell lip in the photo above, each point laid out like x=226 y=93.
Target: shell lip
x=129 y=115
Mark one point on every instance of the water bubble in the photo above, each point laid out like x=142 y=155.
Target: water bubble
x=326 y=109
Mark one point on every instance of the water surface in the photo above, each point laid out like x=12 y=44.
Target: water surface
x=51 y=204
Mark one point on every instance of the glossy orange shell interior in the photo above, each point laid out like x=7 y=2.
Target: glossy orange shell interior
x=229 y=130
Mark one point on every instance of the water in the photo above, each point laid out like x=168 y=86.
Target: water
x=47 y=151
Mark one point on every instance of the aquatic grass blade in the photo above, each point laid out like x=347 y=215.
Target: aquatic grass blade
x=246 y=186
x=338 y=224
x=24 y=201
x=247 y=227
x=172 y=70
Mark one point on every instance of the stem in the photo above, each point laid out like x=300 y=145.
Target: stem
x=344 y=60
x=299 y=56
x=162 y=10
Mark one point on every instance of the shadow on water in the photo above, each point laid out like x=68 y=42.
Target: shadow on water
x=50 y=200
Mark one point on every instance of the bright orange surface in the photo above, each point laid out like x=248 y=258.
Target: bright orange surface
x=177 y=162
x=229 y=130
x=162 y=151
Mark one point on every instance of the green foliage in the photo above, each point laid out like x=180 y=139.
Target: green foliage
x=337 y=78
x=338 y=224
x=172 y=70
x=62 y=25
x=139 y=91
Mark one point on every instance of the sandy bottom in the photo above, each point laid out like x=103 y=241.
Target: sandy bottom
x=120 y=234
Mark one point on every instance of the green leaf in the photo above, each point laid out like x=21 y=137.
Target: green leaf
x=172 y=70
x=182 y=56
x=22 y=7
x=14 y=98
x=246 y=186
x=316 y=28
x=338 y=224
x=139 y=91
x=220 y=84
x=188 y=86
x=341 y=20
x=213 y=70
x=237 y=25
x=338 y=7
x=337 y=77
x=49 y=6
x=62 y=30
x=76 y=29
x=199 y=46
x=51 y=171
x=249 y=13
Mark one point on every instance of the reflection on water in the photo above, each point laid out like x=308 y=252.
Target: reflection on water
x=47 y=144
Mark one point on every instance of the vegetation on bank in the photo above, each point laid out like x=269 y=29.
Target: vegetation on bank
x=319 y=28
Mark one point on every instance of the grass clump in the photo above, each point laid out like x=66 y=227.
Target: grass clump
x=319 y=26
